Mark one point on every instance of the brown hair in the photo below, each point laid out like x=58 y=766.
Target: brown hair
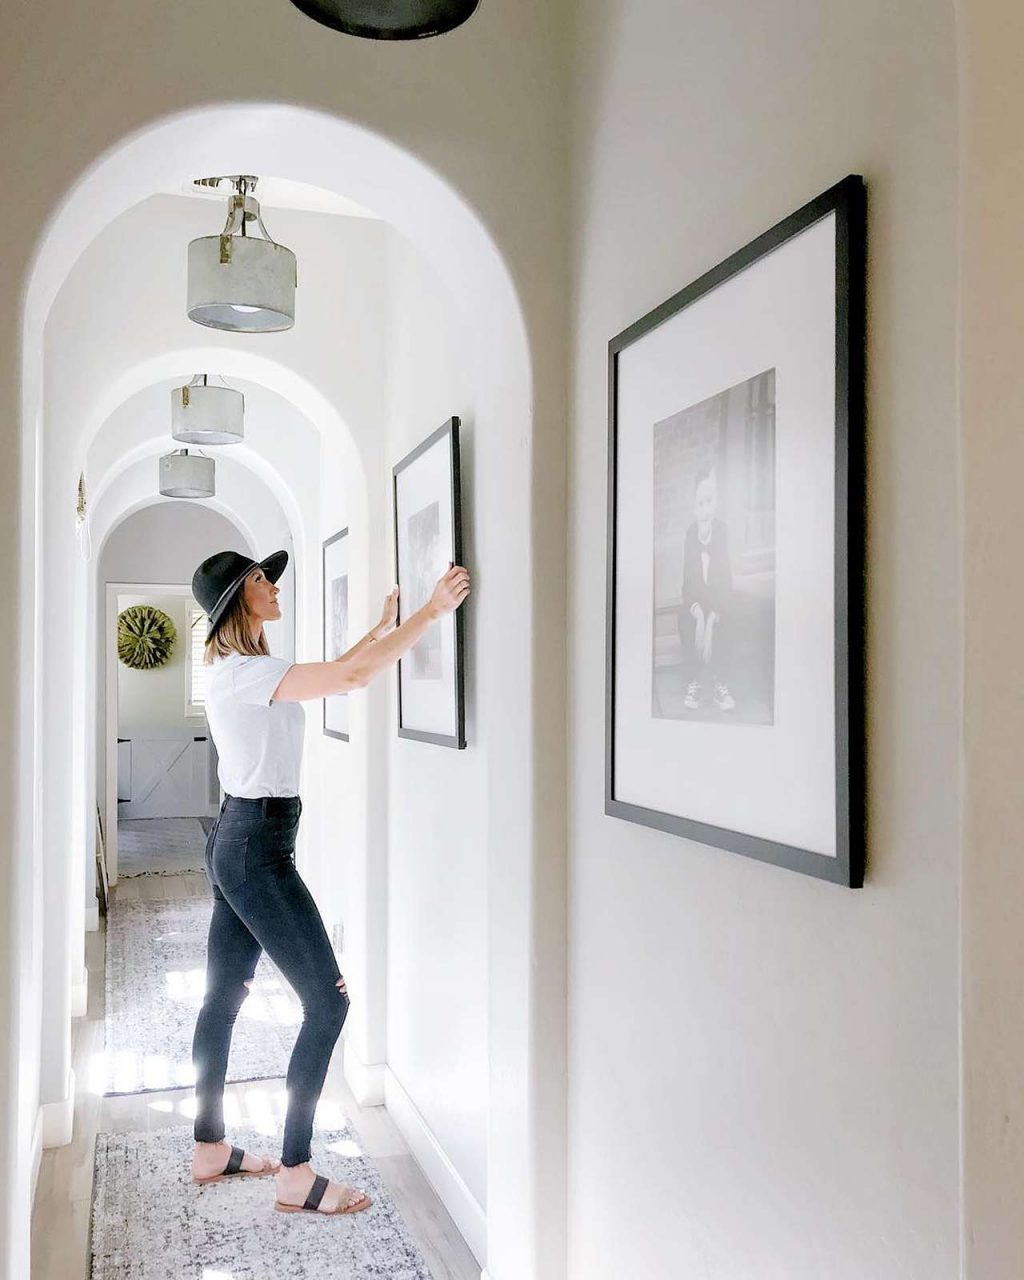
x=234 y=633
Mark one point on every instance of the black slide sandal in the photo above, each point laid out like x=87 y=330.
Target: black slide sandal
x=316 y=1194
x=233 y=1169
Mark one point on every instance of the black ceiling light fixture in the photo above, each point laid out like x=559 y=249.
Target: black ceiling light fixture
x=389 y=19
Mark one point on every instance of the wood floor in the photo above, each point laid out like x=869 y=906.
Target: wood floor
x=61 y=1215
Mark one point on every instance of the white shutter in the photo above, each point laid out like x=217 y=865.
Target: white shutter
x=198 y=623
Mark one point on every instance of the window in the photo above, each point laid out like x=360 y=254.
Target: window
x=197 y=626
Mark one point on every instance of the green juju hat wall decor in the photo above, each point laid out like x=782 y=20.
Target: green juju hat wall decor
x=145 y=637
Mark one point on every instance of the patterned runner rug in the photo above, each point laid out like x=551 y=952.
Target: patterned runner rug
x=160 y=846
x=150 y=1222
x=155 y=981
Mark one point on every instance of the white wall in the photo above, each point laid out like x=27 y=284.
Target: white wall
x=763 y=1067
x=992 y=394
x=161 y=543
x=157 y=698
x=437 y=867
x=165 y=542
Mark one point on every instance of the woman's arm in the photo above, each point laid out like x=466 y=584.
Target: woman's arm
x=387 y=622
x=356 y=668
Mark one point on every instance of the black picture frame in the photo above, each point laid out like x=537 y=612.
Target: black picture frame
x=848 y=202
x=447 y=436
x=329 y=732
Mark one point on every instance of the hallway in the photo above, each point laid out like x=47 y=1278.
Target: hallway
x=61 y=1218
x=565 y=225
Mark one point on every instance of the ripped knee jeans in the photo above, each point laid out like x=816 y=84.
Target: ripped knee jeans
x=261 y=903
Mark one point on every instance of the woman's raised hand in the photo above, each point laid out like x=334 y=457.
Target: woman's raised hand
x=389 y=615
x=452 y=588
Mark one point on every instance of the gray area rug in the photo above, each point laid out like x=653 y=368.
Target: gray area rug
x=160 y=846
x=150 y=1222
x=155 y=982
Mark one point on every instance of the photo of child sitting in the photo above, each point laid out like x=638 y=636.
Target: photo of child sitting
x=713 y=605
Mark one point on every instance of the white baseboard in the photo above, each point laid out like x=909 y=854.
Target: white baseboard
x=36 y=1153
x=92 y=919
x=439 y=1170
x=58 y=1118
x=366 y=1080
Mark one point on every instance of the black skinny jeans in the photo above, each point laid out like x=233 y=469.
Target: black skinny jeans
x=262 y=904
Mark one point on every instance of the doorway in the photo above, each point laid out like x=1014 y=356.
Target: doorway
x=162 y=790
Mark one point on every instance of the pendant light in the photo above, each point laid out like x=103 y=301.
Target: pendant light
x=239 y=282
x=186 y=475
x=206 y=413
x=389 y=19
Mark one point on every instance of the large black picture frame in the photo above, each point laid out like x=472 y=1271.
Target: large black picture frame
x=847 y=202
x=445 y=437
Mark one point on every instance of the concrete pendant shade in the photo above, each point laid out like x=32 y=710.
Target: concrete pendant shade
x=207 y=415
x=241 y=283
x=186 y=475
x=389 y=19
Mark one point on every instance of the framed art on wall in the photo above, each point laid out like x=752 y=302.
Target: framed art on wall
x=336 y=629
x=428 y=540
x=734 y=636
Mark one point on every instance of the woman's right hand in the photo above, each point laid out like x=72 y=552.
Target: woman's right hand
x=452 y=588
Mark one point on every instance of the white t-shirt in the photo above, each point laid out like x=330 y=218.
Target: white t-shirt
x=259 y=742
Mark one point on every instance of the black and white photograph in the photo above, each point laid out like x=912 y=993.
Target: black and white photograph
x=734 y=622
x=336 y=628
x=339 y=617
x=714 y=558
x=426 y=565
x=428 y=540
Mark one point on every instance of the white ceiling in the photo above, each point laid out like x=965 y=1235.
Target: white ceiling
x=282 y=193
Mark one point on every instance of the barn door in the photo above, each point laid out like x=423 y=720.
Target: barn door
x=168 y=774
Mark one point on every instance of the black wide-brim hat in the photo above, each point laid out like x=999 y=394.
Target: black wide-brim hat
x=219 y=578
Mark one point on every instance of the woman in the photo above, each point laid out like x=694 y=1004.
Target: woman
x=260 y=901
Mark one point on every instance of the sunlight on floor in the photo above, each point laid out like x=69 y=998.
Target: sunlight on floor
x=188 y=984
x=263 y=1109
x=277 y=1008
x=267 y=1002
x=330 y=1114
x=345 y=1148
x=130 y=1072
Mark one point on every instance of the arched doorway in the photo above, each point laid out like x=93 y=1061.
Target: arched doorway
x=310 y=146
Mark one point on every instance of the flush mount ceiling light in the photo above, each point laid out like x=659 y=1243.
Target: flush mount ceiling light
x=206 y=413
x=239 y=282
x=186 y=475
x=389 y=19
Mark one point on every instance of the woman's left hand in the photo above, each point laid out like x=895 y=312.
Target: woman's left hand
x=389 y=616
